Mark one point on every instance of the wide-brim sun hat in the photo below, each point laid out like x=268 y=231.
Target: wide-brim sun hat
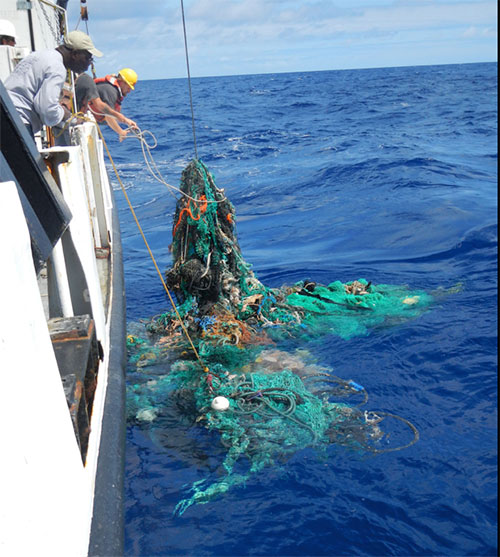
x=78 y=40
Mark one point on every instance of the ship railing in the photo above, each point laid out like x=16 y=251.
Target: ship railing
x=68 y=210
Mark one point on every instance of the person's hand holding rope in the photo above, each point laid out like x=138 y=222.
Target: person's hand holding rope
x=128 y=122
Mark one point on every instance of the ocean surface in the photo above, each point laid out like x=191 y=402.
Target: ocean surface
x=384 y=174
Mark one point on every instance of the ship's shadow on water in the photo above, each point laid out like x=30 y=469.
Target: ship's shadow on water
x=334 y=176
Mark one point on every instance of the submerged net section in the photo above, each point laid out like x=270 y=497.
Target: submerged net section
x=271 y=402
x=270 y=414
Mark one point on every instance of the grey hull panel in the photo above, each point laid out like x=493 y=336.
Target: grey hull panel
x=107 y=537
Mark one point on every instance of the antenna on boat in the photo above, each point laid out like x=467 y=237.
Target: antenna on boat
x=189 y=78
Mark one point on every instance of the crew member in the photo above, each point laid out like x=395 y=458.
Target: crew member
x=7 y=33
x=35 y=84
x=112 y=90
x=86 y=94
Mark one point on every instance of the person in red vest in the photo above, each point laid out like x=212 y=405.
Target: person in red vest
x=112 y=90
x=86 y=94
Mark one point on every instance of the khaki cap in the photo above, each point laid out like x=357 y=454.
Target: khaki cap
x=78 y=40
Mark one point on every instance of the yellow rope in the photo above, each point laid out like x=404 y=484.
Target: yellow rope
x=205 y=368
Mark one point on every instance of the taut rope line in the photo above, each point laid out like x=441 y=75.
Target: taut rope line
x=205 y=368
x=189 y=79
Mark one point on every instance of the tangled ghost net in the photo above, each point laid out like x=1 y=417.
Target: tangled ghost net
x=226 y=338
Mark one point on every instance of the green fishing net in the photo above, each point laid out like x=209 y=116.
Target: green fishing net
x=227 y=340
x=271 y=414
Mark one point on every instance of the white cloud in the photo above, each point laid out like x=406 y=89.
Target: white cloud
x=208 y=19
x=222 y=12
x=471 y=32
x=245 y=35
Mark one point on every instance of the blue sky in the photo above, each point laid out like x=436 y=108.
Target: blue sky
x=229 y=37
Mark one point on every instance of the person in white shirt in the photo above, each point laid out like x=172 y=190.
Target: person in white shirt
x=35 y=84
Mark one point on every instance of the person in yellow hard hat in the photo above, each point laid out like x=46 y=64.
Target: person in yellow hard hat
x=87 y=94
x=112 y=90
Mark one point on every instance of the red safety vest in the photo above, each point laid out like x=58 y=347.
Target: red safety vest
x=111 y=79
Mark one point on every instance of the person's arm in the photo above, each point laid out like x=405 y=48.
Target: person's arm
x=113 y=124
x=99 y=106
x=46 y=101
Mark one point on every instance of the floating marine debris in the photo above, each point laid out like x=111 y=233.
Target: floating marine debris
x=227 y=344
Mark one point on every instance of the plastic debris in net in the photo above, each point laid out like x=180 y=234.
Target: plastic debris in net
x=264 y=402
x=270 y=415
x=220 y=296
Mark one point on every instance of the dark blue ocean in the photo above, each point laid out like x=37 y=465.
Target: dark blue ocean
x=386 y=174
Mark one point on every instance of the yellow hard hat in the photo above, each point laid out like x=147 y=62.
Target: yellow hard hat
x=129 y=76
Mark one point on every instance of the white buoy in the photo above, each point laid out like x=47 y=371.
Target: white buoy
x=147 y=414
x=220 y=403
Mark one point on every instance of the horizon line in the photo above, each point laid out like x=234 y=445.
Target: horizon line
x=329 y=70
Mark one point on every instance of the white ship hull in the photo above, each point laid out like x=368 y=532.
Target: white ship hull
x=62 y=343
